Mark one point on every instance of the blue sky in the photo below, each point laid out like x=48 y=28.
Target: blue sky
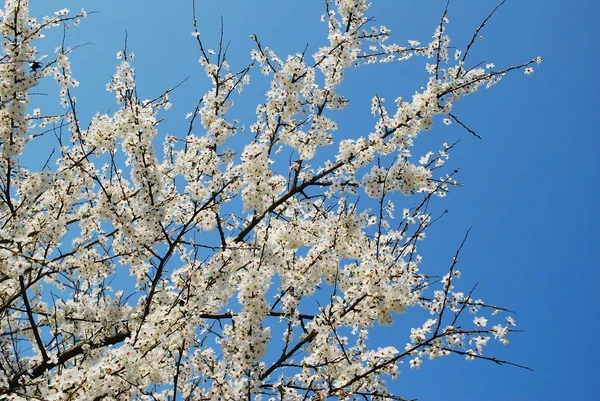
x=530 y=185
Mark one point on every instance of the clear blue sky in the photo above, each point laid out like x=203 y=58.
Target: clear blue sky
x=531 y=184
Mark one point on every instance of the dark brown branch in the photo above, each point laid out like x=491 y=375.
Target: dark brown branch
x=34 y=327
x=464 y=126
x=39 y=370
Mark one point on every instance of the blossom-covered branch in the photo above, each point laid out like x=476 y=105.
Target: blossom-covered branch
x=234 y=263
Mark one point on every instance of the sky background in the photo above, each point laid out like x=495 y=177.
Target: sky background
x=530 y=185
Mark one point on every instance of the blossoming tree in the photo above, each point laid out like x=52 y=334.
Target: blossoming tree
x=212 y=267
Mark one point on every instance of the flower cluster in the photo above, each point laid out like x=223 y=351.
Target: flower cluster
x=228 y=266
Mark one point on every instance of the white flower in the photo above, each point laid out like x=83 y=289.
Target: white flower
x=499 y=331
x=417 y=335
x=415 y=363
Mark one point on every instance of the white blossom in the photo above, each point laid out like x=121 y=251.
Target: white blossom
x=134 y=271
